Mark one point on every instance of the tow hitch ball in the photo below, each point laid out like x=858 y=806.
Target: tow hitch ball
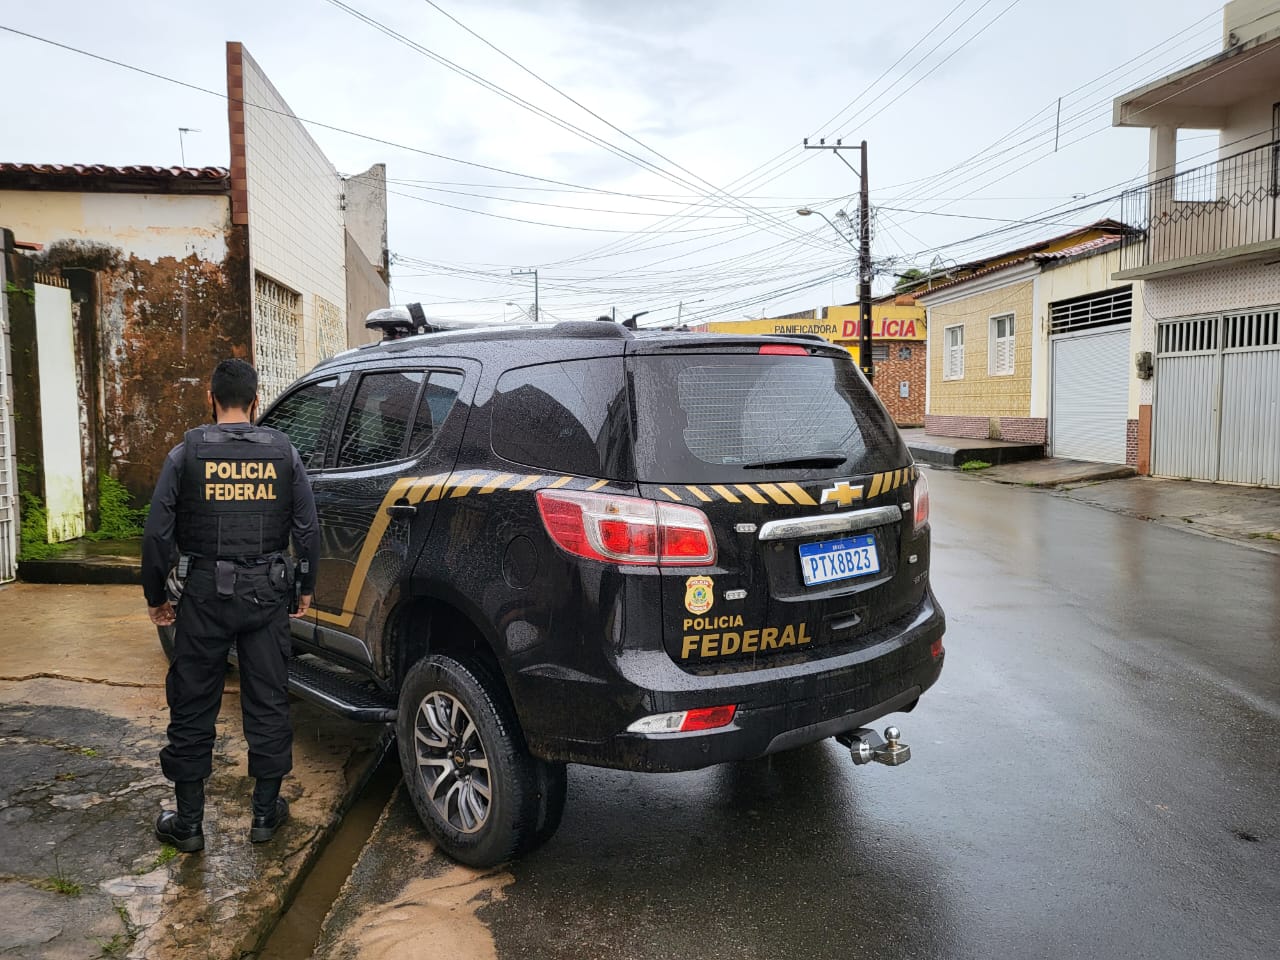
x=866 y=745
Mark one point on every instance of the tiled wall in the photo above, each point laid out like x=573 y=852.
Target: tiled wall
x=906 y=411
x=1024 y=429
x=978 y=393
x=293 y=198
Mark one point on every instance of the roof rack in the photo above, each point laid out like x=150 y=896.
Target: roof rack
x=408 y=320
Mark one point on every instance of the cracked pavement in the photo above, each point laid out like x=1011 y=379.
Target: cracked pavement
x=82 y=719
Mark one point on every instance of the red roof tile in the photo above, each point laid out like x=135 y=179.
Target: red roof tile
x=103 y=170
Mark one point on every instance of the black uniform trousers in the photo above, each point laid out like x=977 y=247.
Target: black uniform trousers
x=256 y=619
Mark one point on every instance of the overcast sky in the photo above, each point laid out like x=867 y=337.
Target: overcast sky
x=958 y=101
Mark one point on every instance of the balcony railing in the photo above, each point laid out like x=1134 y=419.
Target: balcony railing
x=1210 y=210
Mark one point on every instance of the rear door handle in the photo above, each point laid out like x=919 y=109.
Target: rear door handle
x=402 y=510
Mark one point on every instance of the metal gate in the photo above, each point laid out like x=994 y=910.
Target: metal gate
x=1217 y=398
x=1090 y=412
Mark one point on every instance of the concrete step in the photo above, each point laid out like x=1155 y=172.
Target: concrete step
x=87 y=561
x=954 y=451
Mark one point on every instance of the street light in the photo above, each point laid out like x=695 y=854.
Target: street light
x=864 y=287
x=523 y=310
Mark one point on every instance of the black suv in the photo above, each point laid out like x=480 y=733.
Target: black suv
x=573 y=543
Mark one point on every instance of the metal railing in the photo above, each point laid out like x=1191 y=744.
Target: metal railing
x=1208 y=210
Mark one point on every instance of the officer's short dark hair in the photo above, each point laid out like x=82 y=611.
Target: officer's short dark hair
x=234 y=384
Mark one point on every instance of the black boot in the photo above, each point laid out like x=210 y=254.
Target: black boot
x=269 y=810
x=184 y=829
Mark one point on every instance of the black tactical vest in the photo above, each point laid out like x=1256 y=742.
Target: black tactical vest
x=236 y=496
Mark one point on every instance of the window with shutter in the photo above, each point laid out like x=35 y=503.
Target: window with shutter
x=953 y=353
x=1000 y=359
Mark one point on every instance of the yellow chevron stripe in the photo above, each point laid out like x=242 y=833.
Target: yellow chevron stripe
x=774 y=494
x=750 y=493
x=876 y=482
x=671 y=495
x=598 y=484
x=495 y=483
x=897 y=479
x=724 y=492
x=463 y=488
x=420 y=488
x=798 y=494
x=698 y=493
x=563 y=481
x=526 y=481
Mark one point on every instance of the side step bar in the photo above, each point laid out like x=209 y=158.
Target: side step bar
x=340 y=693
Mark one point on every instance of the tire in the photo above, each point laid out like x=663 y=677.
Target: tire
x=458 y=740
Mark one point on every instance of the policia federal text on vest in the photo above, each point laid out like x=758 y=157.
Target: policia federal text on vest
x=229 y=500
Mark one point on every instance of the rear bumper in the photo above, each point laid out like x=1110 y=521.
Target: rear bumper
x=778 y=708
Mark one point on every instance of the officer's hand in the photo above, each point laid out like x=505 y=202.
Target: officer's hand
x=163 y=615
x=304 y=604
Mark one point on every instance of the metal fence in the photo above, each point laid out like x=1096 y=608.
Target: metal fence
x=1220 y=206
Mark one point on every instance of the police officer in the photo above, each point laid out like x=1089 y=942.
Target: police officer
x=230 y=497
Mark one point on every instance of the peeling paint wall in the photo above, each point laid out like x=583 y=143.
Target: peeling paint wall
x=161 y=288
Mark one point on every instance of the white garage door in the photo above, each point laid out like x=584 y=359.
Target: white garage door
x=1090 y=412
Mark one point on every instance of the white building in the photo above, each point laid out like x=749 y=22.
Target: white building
x=1210 y=259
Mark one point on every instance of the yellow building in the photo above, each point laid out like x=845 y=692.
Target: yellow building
x=898 y=347
x=986 y=349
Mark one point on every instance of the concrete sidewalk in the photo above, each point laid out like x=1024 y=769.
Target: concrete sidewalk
x=1056 y=472
x=953 y=451
x=1247 y=514
x=82 y=718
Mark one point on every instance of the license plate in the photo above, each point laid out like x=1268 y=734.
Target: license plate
x=838 y=559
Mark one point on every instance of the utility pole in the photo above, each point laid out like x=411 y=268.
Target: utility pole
x=864 y=249
x=534 y=273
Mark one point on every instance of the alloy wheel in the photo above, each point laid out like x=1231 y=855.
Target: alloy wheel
x=452 y=762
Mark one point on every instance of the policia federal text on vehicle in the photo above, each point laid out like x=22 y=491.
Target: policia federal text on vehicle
x=230 y=497
x=572 y=543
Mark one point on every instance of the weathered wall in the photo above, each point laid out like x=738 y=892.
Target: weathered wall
x=366 y=292
x=366 y=214
x=153 y=319
x=293 y=197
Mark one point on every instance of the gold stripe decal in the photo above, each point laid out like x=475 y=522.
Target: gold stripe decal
x=724 y=492
x=699 y=494
x=671 y=495
x=495 y=483
x=598 y=484
x=527 y=481
x=750 y=493
x=463 y=488
x=563 y=481
x=774 y=494
x=798 y=494
x=876 y=483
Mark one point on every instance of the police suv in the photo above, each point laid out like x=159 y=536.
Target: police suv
x=575 y=543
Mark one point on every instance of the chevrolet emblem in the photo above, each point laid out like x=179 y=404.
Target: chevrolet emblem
x=842 y=493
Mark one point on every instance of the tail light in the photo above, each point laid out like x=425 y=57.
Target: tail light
x=920 y=502
x=627 y=529
x=686 y=721
x=783 y=350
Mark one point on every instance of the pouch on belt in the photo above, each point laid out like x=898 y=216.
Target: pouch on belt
x=224 y=577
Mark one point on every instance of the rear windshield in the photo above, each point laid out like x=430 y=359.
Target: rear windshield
x=716 y=417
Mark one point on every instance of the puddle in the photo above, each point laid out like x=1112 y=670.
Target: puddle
x=295 y=935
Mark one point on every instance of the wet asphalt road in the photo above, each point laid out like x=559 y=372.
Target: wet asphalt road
x=1096 y=775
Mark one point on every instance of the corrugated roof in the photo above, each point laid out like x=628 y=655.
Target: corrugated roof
x=124 y=173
